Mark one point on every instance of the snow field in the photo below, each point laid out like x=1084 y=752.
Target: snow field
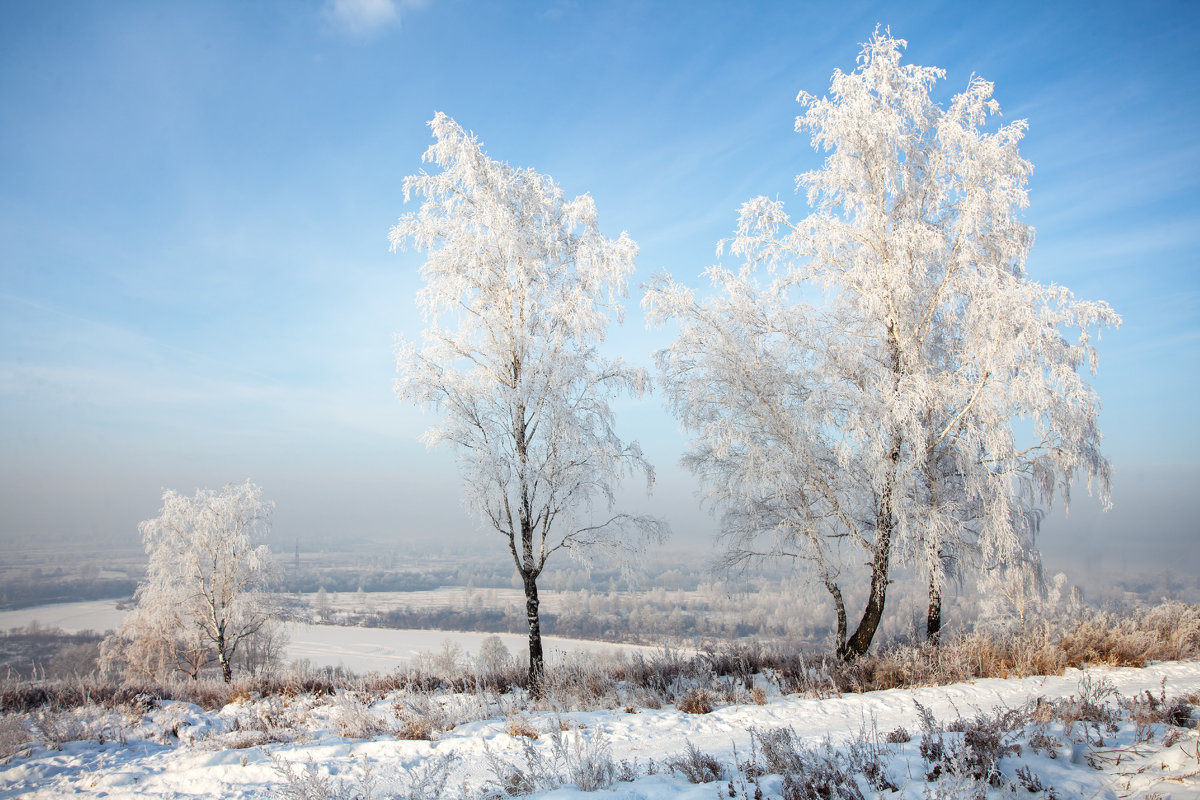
x=384 y=649
x=356 y=649
x=179 y=751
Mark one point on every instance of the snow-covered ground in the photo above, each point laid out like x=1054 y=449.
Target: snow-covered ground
x=384 y=649
x=356 y=649
x=196 y=760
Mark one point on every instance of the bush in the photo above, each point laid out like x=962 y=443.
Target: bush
x=354 y=720
x=695 y=701
x=307 y=782
x=15 y=738
x=825 y=772
x=696 y=766
x=590 y=764
x=532 y=772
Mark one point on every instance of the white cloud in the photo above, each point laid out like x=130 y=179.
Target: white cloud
x=367 y=17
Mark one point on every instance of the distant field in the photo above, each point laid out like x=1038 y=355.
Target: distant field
x=383 y=649
x=357 y=649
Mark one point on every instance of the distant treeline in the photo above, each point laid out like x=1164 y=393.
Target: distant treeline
x=613 y=626
x=351 y=580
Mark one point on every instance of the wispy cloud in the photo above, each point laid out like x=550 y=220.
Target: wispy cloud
x=559 y=9
x=368 y=17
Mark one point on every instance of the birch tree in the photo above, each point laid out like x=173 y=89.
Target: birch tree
x=207 y=572
x=881 y=379
x=520 y=286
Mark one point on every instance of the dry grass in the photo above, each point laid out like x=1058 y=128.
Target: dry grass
x=414 y=728
x=518 y=725
x=1168 y=631
x=695 y=701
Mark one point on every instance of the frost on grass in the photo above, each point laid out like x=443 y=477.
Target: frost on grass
x=308 y=781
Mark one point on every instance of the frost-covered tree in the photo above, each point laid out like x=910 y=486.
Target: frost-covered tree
x=882 y=379
x=206 y=575
x=520 y=286
x=493 y=655
x=322 y=606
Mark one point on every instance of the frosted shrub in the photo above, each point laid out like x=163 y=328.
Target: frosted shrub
x=427 y=781
x=533 y=771
x=590 y=763
x=171 y=724
x=55 y=728
x=307 y=782
x=420 y=715
x=354 y=720
x=519 y=725
x=968 y=751
x=88 y=723
x=569 y=758
x=413 y=728
x=580 y=682
x=446 y=662
x=256 y=723
x=15 y=738
x=824 y=772
x=696 y=766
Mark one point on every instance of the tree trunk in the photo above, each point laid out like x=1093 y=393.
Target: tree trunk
x=840 y=606
x=537 y=666
x=223 y=657
x=933 y=622
x=873 y=613
x=880 y=566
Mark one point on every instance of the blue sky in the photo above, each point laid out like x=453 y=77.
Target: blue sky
x=195 y=284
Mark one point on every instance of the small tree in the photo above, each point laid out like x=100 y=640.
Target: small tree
x=206 y=574
x=519 y=288
x=493 y=655
x=896 y=383
x=322 y=605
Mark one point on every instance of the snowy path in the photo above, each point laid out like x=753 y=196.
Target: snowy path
x=145 y=769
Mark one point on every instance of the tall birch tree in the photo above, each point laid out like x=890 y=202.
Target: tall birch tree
x=881 y=380
x=520 y=286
